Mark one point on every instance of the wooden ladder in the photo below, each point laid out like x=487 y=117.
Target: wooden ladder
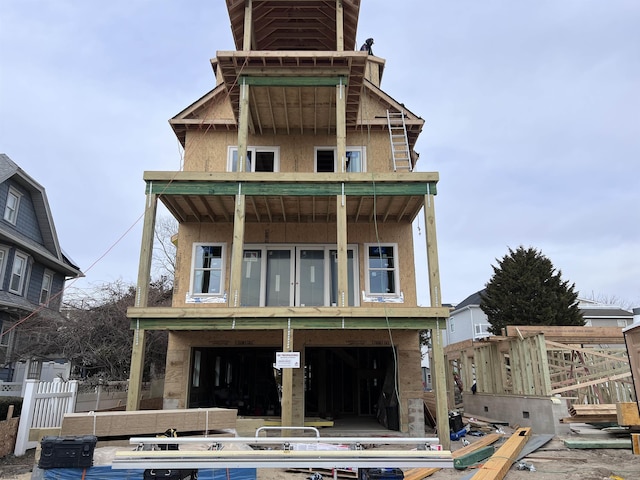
x=400 y=153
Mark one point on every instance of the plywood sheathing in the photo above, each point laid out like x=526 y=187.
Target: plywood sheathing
x=191 y=233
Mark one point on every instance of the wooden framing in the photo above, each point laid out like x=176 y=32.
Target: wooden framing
x=142 y=296
x=295 y=100
x=528 y=363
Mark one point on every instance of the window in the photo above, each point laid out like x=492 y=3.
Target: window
x=452 y=328
x=259 y=159
x=285 y=275
x=208 y=269
x=11 y=209
x=326 y=159
x=45 y=291
x=18 y=273
x=382 y=270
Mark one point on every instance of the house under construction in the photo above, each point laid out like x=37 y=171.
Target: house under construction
x=295 y=207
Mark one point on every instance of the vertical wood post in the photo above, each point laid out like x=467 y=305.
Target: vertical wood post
x=287 y=382
x=439 y=376
x=142 y=298
x=237 y=246
x=248 y=22
x=339 y=26
x=341 y=200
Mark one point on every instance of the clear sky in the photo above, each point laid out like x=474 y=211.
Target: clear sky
x=532 y=113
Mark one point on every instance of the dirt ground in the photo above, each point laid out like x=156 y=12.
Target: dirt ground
x=552 y=461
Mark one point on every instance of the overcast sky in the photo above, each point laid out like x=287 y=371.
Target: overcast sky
x=532 y=113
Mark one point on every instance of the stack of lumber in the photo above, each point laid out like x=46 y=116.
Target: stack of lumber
x=148 y=422
x=601 y=413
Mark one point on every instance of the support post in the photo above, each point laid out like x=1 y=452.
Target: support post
x=248 y=22
x=339 y=26
x=237 y=247
x=439 y=377
x=142 y=297
x=341 y=200
x=286 y=407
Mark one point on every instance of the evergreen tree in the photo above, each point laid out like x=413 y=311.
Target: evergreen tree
x=525 y=289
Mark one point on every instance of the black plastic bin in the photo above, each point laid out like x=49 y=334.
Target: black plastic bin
x=380 y=474
x=67 y=451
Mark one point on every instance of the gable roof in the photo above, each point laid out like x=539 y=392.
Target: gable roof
x=472 y=300
x=202 y=114
x=49 y=251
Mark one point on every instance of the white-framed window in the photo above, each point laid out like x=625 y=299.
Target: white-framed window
x=18 y=273
x=259 y=159
x=302 y=276
x=13 y=204
x=326 y=161
x=382 y=276
x=452 y=328
x=481 y=329
x=207 y=274
x=45 y=290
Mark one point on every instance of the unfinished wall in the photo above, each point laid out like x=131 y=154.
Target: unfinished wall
x=292 y=233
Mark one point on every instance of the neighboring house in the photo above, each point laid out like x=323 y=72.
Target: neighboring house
x=33 y=268
x=468 y=322
x=596 y=314
x=295 y=246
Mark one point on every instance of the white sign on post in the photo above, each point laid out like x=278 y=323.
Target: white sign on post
x=287 y=359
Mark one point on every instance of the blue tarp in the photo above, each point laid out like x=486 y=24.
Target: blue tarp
x=106 y=472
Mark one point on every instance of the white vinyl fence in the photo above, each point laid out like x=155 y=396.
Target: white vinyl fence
x=44 y=405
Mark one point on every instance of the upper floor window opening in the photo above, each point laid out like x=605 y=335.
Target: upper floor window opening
x=382 y=277
x=326 y=161
x=18 y=273
x=207 y=274
x=13 y=204
x=259 y=159
x=45 y=290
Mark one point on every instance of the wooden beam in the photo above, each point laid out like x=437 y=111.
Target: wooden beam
x=273 y=187
x=269 y=323
x=416 y=314
x=499 y=464
x=627 y=413
x=287 y=382
x=568 y=334
x=142 y=297
x=295 y=81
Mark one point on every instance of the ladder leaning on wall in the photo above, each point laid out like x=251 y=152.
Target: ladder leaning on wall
x=400 y=154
